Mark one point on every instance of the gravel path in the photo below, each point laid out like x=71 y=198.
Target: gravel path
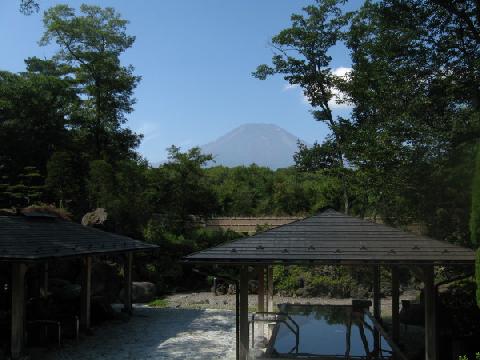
x=157 y=334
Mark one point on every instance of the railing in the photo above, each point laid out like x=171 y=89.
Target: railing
x=395 y=349
x=58 y=325
x=281 y=317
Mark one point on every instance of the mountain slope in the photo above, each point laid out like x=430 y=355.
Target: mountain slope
x=263 y=144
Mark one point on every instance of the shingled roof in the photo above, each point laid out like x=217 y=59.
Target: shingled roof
x=40 y=237
x=333 y=237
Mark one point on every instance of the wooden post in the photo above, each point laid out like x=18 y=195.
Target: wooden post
x=261 y=289
x=376 y=293
x=261 y=297
x=430 y=313
x=86 y=293
x=127 y=273
x=376 y=306
x=45 y=278
x=244 y=331
x=270 y=289
x=18 y=309
x=395 y=305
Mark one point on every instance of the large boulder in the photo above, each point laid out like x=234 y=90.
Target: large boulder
x=142 y=292
x=95 y=218
x=64 y=290
x=231 y=289
x=106 y=281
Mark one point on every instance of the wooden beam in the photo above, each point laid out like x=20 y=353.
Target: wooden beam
x=127 y=273
x=395 y=305
x=270 y=289
x=244 y=330
x=18 y=310
x=430 y=313
x=86 y=293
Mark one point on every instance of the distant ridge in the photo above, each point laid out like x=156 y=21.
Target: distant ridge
x=262 y=144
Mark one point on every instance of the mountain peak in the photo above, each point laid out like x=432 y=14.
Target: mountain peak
x=254 y=143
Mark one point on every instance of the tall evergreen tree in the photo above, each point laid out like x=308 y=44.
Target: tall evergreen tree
x=90 y=45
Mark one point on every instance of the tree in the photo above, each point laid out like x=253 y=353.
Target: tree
x=90 y=46
x=414 y=87
x=179 y=188
x=28 y=7
x=25 y=189
x=301 y=56
x=34 y=111
x=122 y=189
x=101 y=184
x=63 y=180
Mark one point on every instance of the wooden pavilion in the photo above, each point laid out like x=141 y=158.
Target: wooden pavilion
x=37 y=237
x=331 y=237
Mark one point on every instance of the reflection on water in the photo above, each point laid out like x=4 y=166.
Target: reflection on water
x=331 y=330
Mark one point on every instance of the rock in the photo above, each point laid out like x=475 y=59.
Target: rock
x=98 y=217
x=200 y=302
x=231 y=289
x=221 y=289
x=143 y=292
x=64 y=290
x=261 y=342
x=359 y=292
x=106 y=281
x=8 y=212
x=300 y=292
x=253 y=287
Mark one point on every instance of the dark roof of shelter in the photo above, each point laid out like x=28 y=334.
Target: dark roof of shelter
x=333 y=237
x=38 y=237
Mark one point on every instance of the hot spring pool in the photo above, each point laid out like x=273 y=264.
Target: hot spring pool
x=328 y=331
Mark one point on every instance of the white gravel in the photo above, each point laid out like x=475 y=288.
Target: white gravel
x=157 y=334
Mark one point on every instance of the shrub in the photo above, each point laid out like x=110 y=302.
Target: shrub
x=313 y=281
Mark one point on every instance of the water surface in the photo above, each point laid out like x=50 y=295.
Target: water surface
x=330 y=330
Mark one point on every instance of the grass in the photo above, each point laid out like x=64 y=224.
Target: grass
x=159 y=303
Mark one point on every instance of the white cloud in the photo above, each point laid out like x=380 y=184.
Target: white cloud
x=287 y=87
x=338 y=100
x=342 y=71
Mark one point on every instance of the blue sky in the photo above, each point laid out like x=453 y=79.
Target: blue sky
x=195 y=59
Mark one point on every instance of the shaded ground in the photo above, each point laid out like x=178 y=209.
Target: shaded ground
x=157 y=334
